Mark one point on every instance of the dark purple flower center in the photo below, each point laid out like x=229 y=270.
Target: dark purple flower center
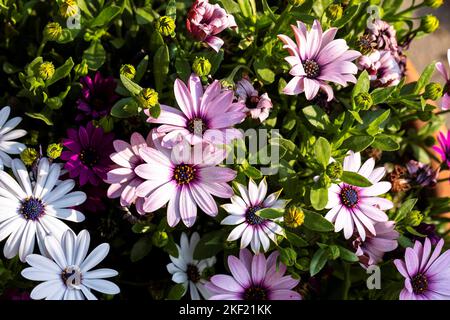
x=419 y=283
x=71 y=276
x=89 y=157
x=192 y=273
x=252 y=218
x=349 y=196
x=252 y=102
x=311 y=68
x=255 y=293
x=184 y=174
x=197 y=126
x=32 y=208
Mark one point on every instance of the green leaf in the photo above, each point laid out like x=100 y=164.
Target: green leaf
x=230 y=6
x=215 y=58
x=318 y=261
x=131 y=86
x=61 y=72
x=44 y=116
x=171 y=9
x=270 y=213
x=348 y=15
x=268 y=11
x=105 y=16
x=288 y=256
x=155 y=111
x=347 y=255
x=405 y=208
x=143 y=16
x=317 y=117
x=381 y=95
x=142 y=227
x=161 y=67
x=385 y=143
x=209 y=245
x=333 y=251
x=296 y=240
x=414 y=232
x=125 y=108
x=251 y=171
x=322 y=150
x=425 y=77
x=95 y=55
x=355 y=179
x=177 y=292
x=183 y=67
x=318 y=197
x=357 y=143
x=405 y=242
x=140 y=249
x=316 y=222
x=263 y=71
x=362 y=85
x=356 y=115
x=141 y=69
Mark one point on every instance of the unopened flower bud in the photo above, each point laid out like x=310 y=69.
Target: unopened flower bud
x=201 y=66
x=434 y=3
x=334 y=170
x=128 y=71
x=148 y=98
x=334 y=12
x=294 y=217
x=429 y=23
x=29 y=156
x=414 y=218
x=53 y=31
x=363 y=100
x=81 y=69
x=160 y=239
x=68 y=8
x=46 y=70
x=165 y=25
x=54 y=150
x=433 y=91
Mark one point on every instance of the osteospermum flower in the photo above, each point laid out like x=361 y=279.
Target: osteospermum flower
x=254 y=278
x=251 y=228
x=97 y=96
x=123 y=179
x=316 y=58
x=383 y=35
x=382 y=67
x=445 y=103
x=258 y=106
x=371 y=251
x=67 y=269
x=359 y=207
x=8 y=135
x=426 y=272
x=87 y=157
x=444 y=147
x=188 y=271
x=422 y=174
x=184 y=179
x=205 y=116
x=32 y=210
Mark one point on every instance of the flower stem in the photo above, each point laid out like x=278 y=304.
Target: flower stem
x=41 y=48
x=347 y=281
x=442 y=112
x=282 y=19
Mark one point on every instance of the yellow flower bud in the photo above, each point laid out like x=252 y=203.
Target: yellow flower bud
x=29 y=156
x=148 y=98
x=53 y=31
x=46 y=70
x=294 y=217
x=68 y=8
x=128 y=71
x=165 y=25
x=54 y=150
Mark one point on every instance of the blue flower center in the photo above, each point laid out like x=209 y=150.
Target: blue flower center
x=349 y=196
x=192 y=273
x=197 y=126
x=419 y=283
x=32 y=208
x=311 y=68
x=184 y=174
x=255 y=293
x=252 y=218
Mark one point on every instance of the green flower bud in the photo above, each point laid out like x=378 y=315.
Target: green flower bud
x=160 y=239
x=296 y=3
x=334 y=12
x=414 y=218
x=128 y=71
x=303 y=263
x=165 y=25
x=81 y=69
x=68 y=8
x=229 y=245
x=434 y=3
x=201 y=66
x=429 y=141
x=46 y=70
x=54 y=150
x=335 y=170
x=324 y=181
x=288 y=256
x=225 y=83
x=363 y=100
x=294 y=217
x=148 y=98
x=53 y=31
x=429 y=23
x=29 y=156
x=433 y=91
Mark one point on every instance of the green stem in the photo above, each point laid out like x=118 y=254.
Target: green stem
x=412 y=8
x=347 y=281
x=41 y=47
x=281 y=19
x=442 y=112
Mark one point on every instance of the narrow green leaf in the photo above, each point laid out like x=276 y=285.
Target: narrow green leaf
x=425 y=78
x=61 y=72
x=105 y=16
x=385 y=143
x=140 y=249
x=348 y=15
x=347 y=255
x=171 y=9
x=362 y=85
x=177 y=292
x=161 y=67
x=318 y=261
x=95 y=55
x=296 y=240
x=316 y=117
x=355 y=179
x=322 y=150
x=125 y=108
x=270 y=213
x=357 y=143
x=316 y=222
x=405 y=208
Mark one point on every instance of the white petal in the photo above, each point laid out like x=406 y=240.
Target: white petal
x=179 y=277
x=50 y=182
x=53 y=247
x=21 y=173
x=87 y=293
x=100 y=273
x=11 y=247
x=95 y=257
x=43 y=263
x=237 y=232
x=376 y=189
x=65 y=214
x=68 y=245
x=82 y=246
x=352 y=162
x=46 y=289
x=70 y=200
x=28 y=239
x=233 y=220
x=40 y=275
x=367 y=168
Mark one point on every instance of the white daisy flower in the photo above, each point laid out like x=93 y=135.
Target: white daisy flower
x=188 y=271
x=31 y=211
x=67 y=272
x=352 y=206
x=7 y=135
x=251 y=228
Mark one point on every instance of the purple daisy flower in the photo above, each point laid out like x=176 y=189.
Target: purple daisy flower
x=422 y=174
x=359 y=207
x=444 y=147
x=205 y=116
x=183 y=178
x=429 y=230
x=97 y=96
x=316 y=58
x=371 y=251
x=257 y=106
x=445 y=103
x=383 y=35
x=253 y=278
x=426 y=272
x=88 y=153
x=251 y=228
x=383 y=70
